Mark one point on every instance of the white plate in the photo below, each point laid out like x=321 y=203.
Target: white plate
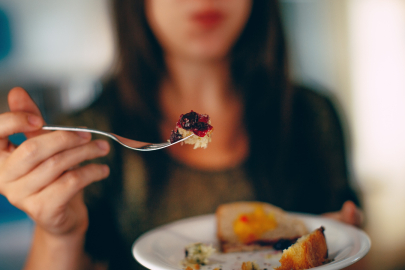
x=163 y=247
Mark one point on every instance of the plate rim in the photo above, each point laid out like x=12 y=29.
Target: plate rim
x=365 y=241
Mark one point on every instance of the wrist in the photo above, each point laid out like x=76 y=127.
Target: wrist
x=56 y=251
x=72 y=238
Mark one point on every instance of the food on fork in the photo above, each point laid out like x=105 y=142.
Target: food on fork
x=309 y=251
x=193 y=123
x=248 y=226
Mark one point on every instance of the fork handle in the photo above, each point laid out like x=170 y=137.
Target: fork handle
x=80 y=129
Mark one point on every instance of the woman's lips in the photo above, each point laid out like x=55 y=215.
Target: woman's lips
x=208 y=19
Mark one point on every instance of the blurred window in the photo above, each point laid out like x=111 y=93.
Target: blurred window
x=5 y=35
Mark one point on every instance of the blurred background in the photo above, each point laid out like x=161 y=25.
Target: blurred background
x=352 y=49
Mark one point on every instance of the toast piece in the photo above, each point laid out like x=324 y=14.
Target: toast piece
x=247 y=226
x=193 y=123
x=309 y=251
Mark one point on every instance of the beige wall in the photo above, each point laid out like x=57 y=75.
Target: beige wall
x=377 y=64
x=366 y=40
x=356 y=50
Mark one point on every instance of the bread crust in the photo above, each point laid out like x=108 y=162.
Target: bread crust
x=288 y=227
x=309 y=251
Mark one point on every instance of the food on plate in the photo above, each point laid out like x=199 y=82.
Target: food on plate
x=309 y=251
x=247 y=226
x=194 y=267
x=197 y=254
x=250 y=266
x=250 y=226
x=193 y=123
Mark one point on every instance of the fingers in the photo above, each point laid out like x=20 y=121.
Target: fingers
x=334 y=215
x=349 y=214
x=54 y=167
x=12 y=123
x=59 y=208
x=38 y=149
x=15 y=122
x=72 y=182
x=19 y=100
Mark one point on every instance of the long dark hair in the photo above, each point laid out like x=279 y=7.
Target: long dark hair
x=258 y=69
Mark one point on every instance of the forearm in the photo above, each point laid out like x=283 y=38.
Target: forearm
x=57 y=252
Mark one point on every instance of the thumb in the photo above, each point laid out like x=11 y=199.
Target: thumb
x=20 y=100
x=351 y=214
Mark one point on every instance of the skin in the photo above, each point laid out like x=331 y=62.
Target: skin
x=172 y=23
x=198 y=75
x=43 y=177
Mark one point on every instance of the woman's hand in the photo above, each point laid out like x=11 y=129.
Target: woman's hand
x=349 y=214
x=42 y=176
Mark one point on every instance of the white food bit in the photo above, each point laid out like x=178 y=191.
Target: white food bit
x=198 y=142
x=198 y=253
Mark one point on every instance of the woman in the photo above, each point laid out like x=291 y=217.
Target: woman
x=272 y=142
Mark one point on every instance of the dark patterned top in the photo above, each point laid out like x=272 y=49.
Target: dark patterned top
x=126 y=204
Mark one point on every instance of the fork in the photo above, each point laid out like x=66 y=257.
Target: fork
x=128 y=143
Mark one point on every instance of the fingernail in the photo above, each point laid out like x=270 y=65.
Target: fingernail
x=84 y=135
x=105 y=169
x=34 y=120
x=103 y=145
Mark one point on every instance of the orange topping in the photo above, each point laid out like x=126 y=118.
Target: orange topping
x=250 y=226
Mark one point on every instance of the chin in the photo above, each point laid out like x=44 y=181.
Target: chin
x=210 y=56
x=209 y=51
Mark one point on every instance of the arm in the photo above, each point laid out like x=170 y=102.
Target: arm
x=332 y=152
x=55 y=252
x=42 y=178
x=320 y=160
x=50 y=252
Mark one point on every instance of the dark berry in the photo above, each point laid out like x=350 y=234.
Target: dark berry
x=204 y=118
x=283 y=244
x=175 y=136
x=201 y=129
x=188 y=120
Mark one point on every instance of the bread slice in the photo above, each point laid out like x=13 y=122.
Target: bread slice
x=247 y=226
x=309 y=251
